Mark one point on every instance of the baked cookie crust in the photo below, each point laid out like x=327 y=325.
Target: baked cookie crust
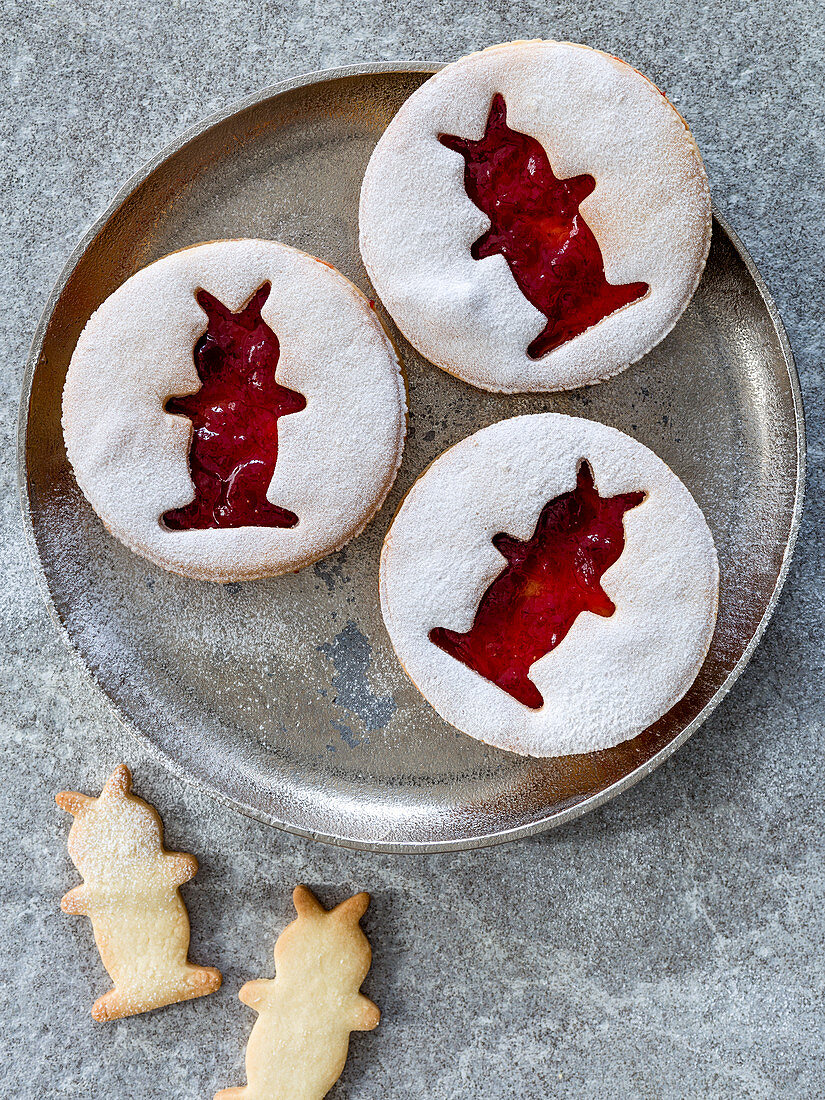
x=610 y=677
x=594 y=115
x=337 y=457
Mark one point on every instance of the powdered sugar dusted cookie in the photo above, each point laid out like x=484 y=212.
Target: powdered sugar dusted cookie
x=130 y=894
x=535 y=217
x=300 y=1040
x=550 y=585
x=234 y=411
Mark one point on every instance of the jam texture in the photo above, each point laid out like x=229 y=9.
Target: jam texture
x=536 y=226
x=547 y=583
x=234 y=420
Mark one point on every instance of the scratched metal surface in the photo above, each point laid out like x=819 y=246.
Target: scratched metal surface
x=283 y=697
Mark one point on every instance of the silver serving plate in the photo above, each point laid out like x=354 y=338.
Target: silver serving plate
x=283 y=698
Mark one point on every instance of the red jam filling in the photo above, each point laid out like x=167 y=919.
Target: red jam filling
x=234 y=420
x=547 y=583
x=536 y=226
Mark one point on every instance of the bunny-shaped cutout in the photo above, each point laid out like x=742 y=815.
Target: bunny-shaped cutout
x=549 y=580
x=130 y=893
x=234 y=416
x=300 y=1040
x=536 y=225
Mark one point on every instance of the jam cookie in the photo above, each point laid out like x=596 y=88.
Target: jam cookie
x=130 y=894
x=550 y=586
x=235 y=411
x=300 y=1040
x=535 y=217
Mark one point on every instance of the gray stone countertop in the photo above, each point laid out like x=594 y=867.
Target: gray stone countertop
x=671 y=944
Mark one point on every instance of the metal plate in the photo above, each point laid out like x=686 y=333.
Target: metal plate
x=283 y=697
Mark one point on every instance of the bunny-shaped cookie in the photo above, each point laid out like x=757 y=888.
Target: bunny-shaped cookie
x=299 y=1043
x=130 y=894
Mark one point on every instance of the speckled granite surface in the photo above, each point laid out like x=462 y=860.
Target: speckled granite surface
x=671 y=944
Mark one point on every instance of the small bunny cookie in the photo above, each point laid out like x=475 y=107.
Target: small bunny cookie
x=299 y=1043
x=130 y=894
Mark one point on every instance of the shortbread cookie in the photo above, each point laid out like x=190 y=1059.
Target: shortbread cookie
x=535 y=217
x=299 y=1043
x=130 y=893
x=234 y=411
x=550 y=586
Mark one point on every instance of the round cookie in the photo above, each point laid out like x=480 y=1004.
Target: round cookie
x=550 y=585
x=535 y=217
x=188 y=448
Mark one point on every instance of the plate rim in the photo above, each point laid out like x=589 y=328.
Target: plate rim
x=517 y=832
